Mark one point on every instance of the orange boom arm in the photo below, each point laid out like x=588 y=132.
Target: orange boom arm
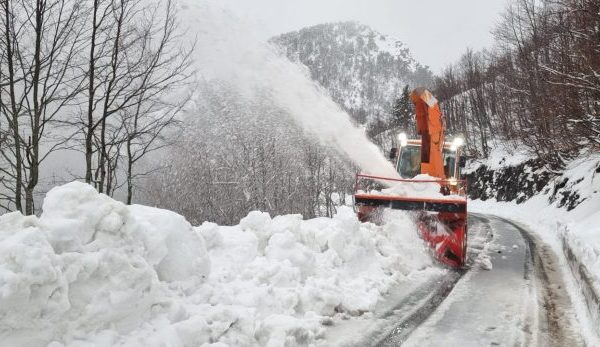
x=430 y=125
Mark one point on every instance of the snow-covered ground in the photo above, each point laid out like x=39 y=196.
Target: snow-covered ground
x=579 y=227
x=93 y=271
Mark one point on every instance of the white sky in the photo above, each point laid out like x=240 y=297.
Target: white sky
x=436 y=31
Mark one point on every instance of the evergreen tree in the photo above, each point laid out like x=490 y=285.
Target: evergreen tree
x=402 y=112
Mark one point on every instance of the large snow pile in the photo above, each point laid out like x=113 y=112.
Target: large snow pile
x=91 y=270
x=582 y=224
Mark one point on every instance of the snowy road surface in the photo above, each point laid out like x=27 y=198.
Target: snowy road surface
x=513 y=294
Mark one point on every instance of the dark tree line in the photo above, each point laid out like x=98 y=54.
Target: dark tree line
x=89 y=76
x=539 y=86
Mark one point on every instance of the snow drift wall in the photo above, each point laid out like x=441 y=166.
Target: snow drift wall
x=91 y=270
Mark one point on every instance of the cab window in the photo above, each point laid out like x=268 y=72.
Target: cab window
x=449 y=163
x=409 y=163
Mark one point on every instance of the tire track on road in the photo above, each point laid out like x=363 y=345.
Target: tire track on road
x=556 y=314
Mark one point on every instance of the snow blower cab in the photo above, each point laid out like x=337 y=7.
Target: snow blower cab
x=406 y=157
x=428 y=184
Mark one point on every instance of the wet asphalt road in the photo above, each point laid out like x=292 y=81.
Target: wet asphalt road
x=520 y=301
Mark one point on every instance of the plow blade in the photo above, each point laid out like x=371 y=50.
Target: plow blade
x=411 y=204
x=442 y=223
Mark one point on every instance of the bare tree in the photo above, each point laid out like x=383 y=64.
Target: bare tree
x=136 y=60
x=539 y=87
x=13 y=170
x=41 y=41
x=166 y=68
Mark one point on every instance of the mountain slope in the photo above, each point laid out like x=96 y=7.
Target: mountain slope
x=362 y=69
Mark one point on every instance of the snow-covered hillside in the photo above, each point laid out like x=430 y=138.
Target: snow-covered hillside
x=363 y=70
x=91 y=270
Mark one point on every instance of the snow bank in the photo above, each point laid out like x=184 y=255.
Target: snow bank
x=91 y=270
x=89 y=262
x=581 y=226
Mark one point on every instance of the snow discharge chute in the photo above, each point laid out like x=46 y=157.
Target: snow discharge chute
x=430 y=184
x=430 y=126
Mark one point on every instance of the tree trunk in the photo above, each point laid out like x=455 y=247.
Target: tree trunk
x=13 y=105
x=91 y=90
x=33 y=150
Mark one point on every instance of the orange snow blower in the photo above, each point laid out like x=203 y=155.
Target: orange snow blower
x=437 y=197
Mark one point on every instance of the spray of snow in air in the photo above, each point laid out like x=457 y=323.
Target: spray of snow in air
x=228 y=49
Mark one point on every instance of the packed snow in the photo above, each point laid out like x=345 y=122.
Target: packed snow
x=431 y=190
x=93 y=271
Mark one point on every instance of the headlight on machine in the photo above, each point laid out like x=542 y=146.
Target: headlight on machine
x=402 y=139
x=456 y=143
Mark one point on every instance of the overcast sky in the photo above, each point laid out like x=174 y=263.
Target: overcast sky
x=436 y=31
